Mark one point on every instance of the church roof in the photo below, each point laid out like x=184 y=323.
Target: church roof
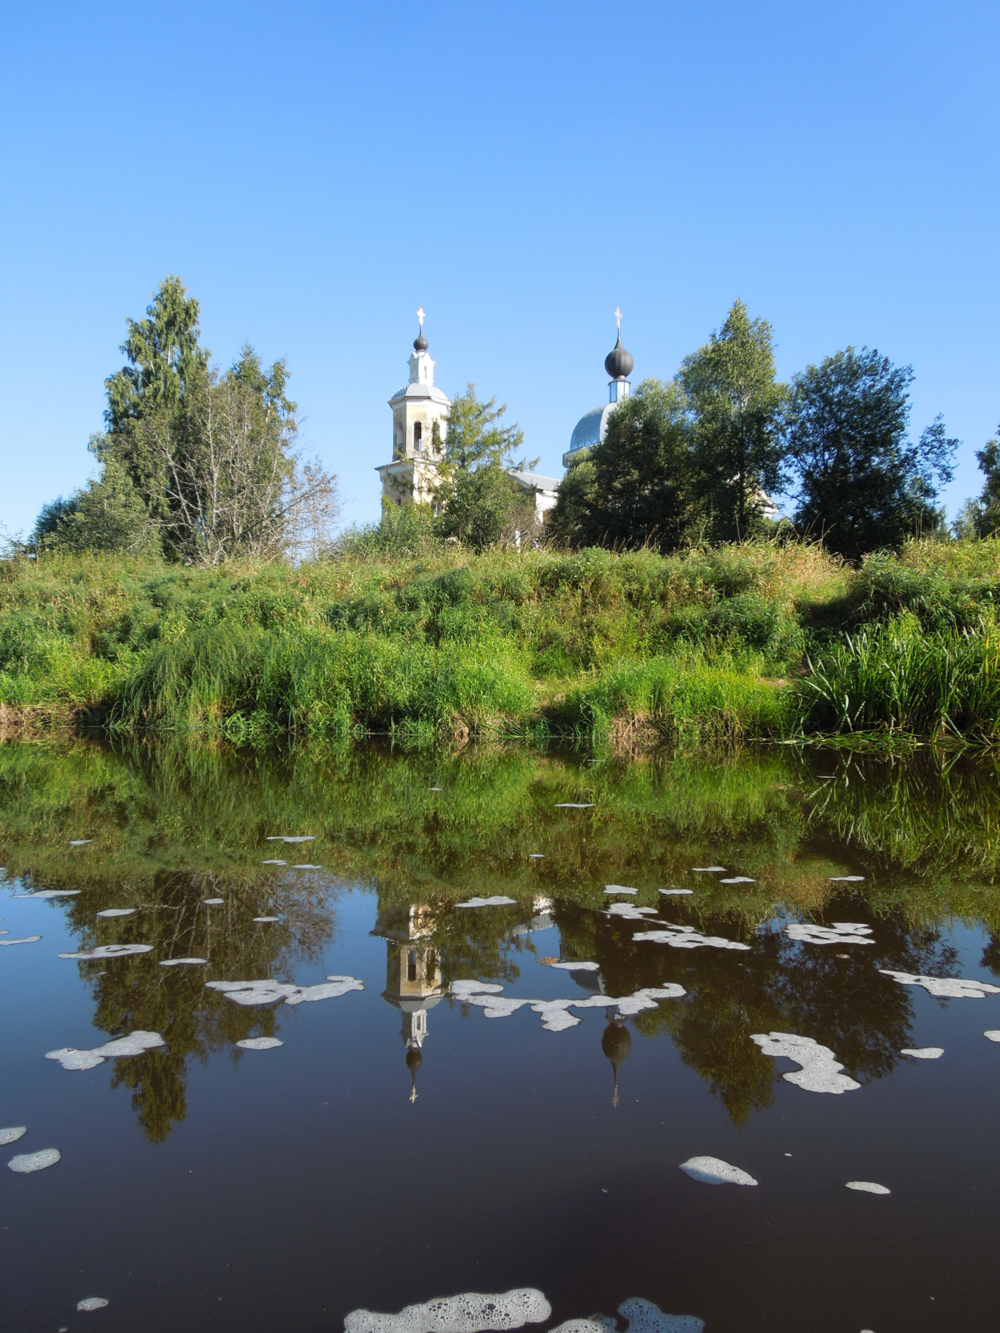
x=420 y=392
x=535 y=480
x=591 y=428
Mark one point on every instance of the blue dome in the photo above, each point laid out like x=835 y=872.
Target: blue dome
x=591 y=428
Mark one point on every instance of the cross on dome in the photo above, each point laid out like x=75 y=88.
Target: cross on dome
x=420 y=316
x=618 y=317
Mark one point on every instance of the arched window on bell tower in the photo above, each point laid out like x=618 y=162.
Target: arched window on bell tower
x=417 y=437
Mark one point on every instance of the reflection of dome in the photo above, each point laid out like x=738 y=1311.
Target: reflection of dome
x=414 y=1060
x=616 y=1045
x=618 y=363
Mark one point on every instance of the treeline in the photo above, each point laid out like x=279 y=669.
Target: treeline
x=195 y=466
x=700 y=458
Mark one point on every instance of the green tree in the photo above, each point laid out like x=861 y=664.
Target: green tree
x=635 y=487
x=474 y=436
x=735 y=403
x=486 y=507
x=107 y=516
x=981 y=517
x=862 y=484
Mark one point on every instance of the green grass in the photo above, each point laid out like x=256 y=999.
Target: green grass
x=714 y=645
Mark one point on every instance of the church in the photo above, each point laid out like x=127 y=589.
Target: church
x=420 y=422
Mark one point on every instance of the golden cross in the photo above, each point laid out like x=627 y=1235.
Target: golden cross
x=420 y=316
x=618 y=317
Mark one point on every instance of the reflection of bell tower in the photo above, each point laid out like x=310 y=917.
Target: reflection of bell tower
x=616 y=1044
x=412 y=975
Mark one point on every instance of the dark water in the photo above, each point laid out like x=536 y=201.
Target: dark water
x=400 y=1145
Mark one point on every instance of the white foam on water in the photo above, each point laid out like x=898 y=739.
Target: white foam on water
x=675 y=892
x=992 y=1035
x=117 y=911
x=28 y=939
x=714 y=1171
x=27 y=1162
x=645 y=1317
x=494 y=1006
x=924 y=1052
x=274 y=863
x=629 y=911
x=498 y=900
x=557 y=1020
x=846 y=879
x=708 y=870
x=948 y=988
x=267 y=992
x=469 y=1312
x=536 y=856
x=463 y=988
x=435 y=789
x=820 y=1071
x=618 y=888
x=574 y=805
x=280 y=837
x=109 y=951
x=867 y=1187
x=92 y=1303
x=738 y=879
x=267 y=918
x=686 y=937
x=213 y=902
x=79 y=842
x=136 y=1043
x=49 y=893
x=177 y=962
x=555 y=1013
x=259 y=1043
x=306 y=866
x=577 y=967
x=841 y=932
x=12 y=1134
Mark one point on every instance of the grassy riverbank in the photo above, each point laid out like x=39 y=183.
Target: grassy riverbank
x=758 y=640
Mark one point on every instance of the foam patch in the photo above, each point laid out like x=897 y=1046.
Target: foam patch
x=946 y=988
x=306 y=866
x=213 y=902
x=498 y=900
x=618 y=888
x=867 y=1187
x=577 y=967
x=555 y=1014
x=992 y=1035
x=708 y=870
x=259 y=1043
x=467 y=1313
x=463 y=988
x=574 y=805
x=820 y=1070
x=846 y=879
x=629 y=911
x=117 y=911
x=267 y=918
x=136 y=1043
x=675 y=892
x=738 y=879
x=645 y=1317
x=686 y=937
x=28 y=939
x=92 y=1303
x=27 y=1162
x=280 y=837
x=714 y=1171
x=268 y=992
x=50 y=893
x=178 y=962
x=12 y=1135
x=79 y=842
x=274 y=863
x=536 y=856
x=924 y=1052
x=110 y=951
x=841 y=932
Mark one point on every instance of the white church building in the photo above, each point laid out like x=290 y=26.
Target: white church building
x=420 y=422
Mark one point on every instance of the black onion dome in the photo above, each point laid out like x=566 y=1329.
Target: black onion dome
x=616 y=1044
x=618 y=363
x=420 y=343
x=414 y=1059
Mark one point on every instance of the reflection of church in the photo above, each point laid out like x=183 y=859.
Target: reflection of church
x=419 y=424
x=412 y=974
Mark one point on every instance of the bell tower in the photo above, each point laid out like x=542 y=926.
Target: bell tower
x=419 y=412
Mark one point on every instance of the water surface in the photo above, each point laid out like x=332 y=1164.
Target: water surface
x=401 y=1145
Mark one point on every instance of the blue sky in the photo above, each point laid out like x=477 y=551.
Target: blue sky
x=314 y=172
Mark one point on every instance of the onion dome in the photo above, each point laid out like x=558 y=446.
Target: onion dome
x=616 y=1045
x=413 y=1062
x=618 y=363
x=420 y=344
